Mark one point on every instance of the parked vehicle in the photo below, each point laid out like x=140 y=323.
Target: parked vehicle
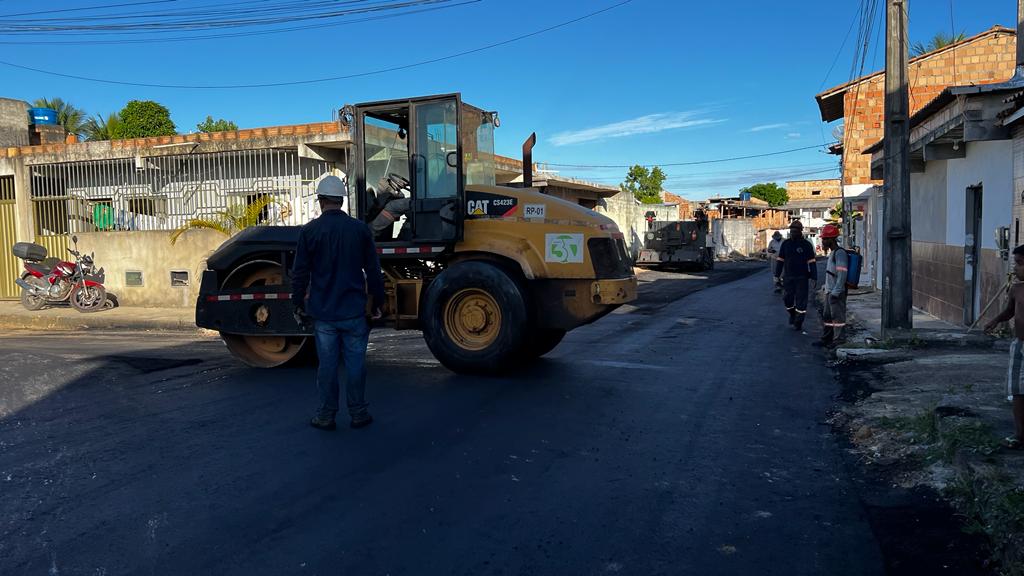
x=48 y=280
x=677 y=244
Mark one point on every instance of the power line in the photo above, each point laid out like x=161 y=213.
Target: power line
x=158 y=39
x=326 y=79
x=694 y=163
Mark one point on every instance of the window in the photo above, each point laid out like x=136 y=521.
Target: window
x=179 y=278
x=815 y=192
x=437 y=150
x=133 y=278
x=478 y=146
x=817 y=213
x=386 y=146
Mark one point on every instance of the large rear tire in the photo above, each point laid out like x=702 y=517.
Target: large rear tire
x=475 y=319
x=263 y=351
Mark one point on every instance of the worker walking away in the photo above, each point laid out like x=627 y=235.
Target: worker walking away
x=335 y=266
x=795 y=267
x=1015 y=375
x=772 y=254
x=833 y=300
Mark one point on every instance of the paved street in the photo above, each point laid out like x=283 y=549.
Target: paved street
x=691 y=441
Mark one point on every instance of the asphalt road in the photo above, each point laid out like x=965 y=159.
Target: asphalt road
x=682 y=435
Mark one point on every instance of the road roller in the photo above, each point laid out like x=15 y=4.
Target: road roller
x=494 y=276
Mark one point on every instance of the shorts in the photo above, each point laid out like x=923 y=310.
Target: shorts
x=1014 y=386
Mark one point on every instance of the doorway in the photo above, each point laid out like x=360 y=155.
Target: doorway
x=972 y=252
x=10 y=267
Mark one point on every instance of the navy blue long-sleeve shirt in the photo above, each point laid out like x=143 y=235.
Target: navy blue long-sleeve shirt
x=335 y=266
x=797 y=259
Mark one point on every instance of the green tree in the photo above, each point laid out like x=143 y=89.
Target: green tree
x=219 y=125
x=68 y=116
x=100 y=128
x=144 y=118
x=230 y=221
x=644 y=184
x=770 y=192
x=940 y=40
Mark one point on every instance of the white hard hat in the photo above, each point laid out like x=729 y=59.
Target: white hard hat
x=331 y=187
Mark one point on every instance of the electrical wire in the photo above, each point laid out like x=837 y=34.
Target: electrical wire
x=325 y=79
x=694 y=163
x=157 y=40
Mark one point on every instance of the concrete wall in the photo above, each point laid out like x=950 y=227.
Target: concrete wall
x=991 y=165
x=13 y=122
x=928 y=199
x=628 y=215
x=153 y=255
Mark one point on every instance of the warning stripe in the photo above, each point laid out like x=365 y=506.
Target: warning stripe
x=260 y=296
x=414 y=250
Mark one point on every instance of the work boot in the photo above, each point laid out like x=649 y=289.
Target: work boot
x=323 y=423
x=361 y=421
x=792 y=317
x=798 y=324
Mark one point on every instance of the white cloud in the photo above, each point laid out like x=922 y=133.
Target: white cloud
x=793 y=135
x=764 y=127
x=648 y=124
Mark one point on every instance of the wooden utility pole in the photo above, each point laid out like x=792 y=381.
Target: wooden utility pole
x=897 y=291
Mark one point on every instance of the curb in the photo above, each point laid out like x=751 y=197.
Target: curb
x=94 y=321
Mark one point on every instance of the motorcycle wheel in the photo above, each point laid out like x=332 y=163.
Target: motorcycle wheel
x=31 y=301
x=88 y=298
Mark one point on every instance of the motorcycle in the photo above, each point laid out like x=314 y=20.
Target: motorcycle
x=51 y=280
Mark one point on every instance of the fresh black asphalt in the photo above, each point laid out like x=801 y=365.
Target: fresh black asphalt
x=680 y=435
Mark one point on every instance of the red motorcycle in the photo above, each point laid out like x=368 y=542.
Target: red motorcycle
x=51 y=280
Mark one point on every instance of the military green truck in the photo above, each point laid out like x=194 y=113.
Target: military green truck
x=678 y=244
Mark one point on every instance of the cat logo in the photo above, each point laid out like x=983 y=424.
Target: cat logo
x=477 y=207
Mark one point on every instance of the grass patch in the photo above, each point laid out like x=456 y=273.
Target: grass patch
x=991 y=505
x=923 y=428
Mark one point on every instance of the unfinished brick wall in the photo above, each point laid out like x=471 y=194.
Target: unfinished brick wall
x=812 y=189
x=984 y=59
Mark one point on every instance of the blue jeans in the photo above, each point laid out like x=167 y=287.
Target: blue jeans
x=349 y=338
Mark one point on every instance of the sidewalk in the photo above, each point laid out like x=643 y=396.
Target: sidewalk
x=931 y=410
x=13 y=316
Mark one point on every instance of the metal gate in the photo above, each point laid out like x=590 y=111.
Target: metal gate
x=9 y=265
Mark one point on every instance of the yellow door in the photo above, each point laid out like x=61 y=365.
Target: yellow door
x=10 y=267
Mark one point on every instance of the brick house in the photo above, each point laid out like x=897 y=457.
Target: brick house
x=813 y=189
x=985 y=58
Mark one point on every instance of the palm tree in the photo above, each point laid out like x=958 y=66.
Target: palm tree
x=100 y=128
x=230 y=221
x=68 y=116
x=940 y=40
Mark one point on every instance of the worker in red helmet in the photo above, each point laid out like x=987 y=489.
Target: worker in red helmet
x=834 y=294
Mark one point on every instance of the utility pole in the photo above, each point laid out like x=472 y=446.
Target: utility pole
x=897 y=291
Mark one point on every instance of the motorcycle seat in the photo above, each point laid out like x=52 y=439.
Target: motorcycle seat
x=42 y=267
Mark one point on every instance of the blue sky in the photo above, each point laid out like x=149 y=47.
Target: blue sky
x=652 y=81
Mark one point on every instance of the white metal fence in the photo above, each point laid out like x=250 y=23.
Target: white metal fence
x=166 y=192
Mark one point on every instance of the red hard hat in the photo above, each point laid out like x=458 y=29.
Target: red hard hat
x=829 y=231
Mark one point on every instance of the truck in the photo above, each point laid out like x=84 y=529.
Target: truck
x=494 y=276
x=678 y=244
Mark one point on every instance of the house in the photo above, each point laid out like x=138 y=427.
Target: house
x=814 y=189
x=985 y=58
x=967 y=170
x=813 y=213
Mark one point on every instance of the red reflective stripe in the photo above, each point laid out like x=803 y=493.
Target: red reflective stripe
x=211 y=298
x=235 y=297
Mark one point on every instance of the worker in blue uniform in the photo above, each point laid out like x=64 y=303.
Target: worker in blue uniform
x=796 y=267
